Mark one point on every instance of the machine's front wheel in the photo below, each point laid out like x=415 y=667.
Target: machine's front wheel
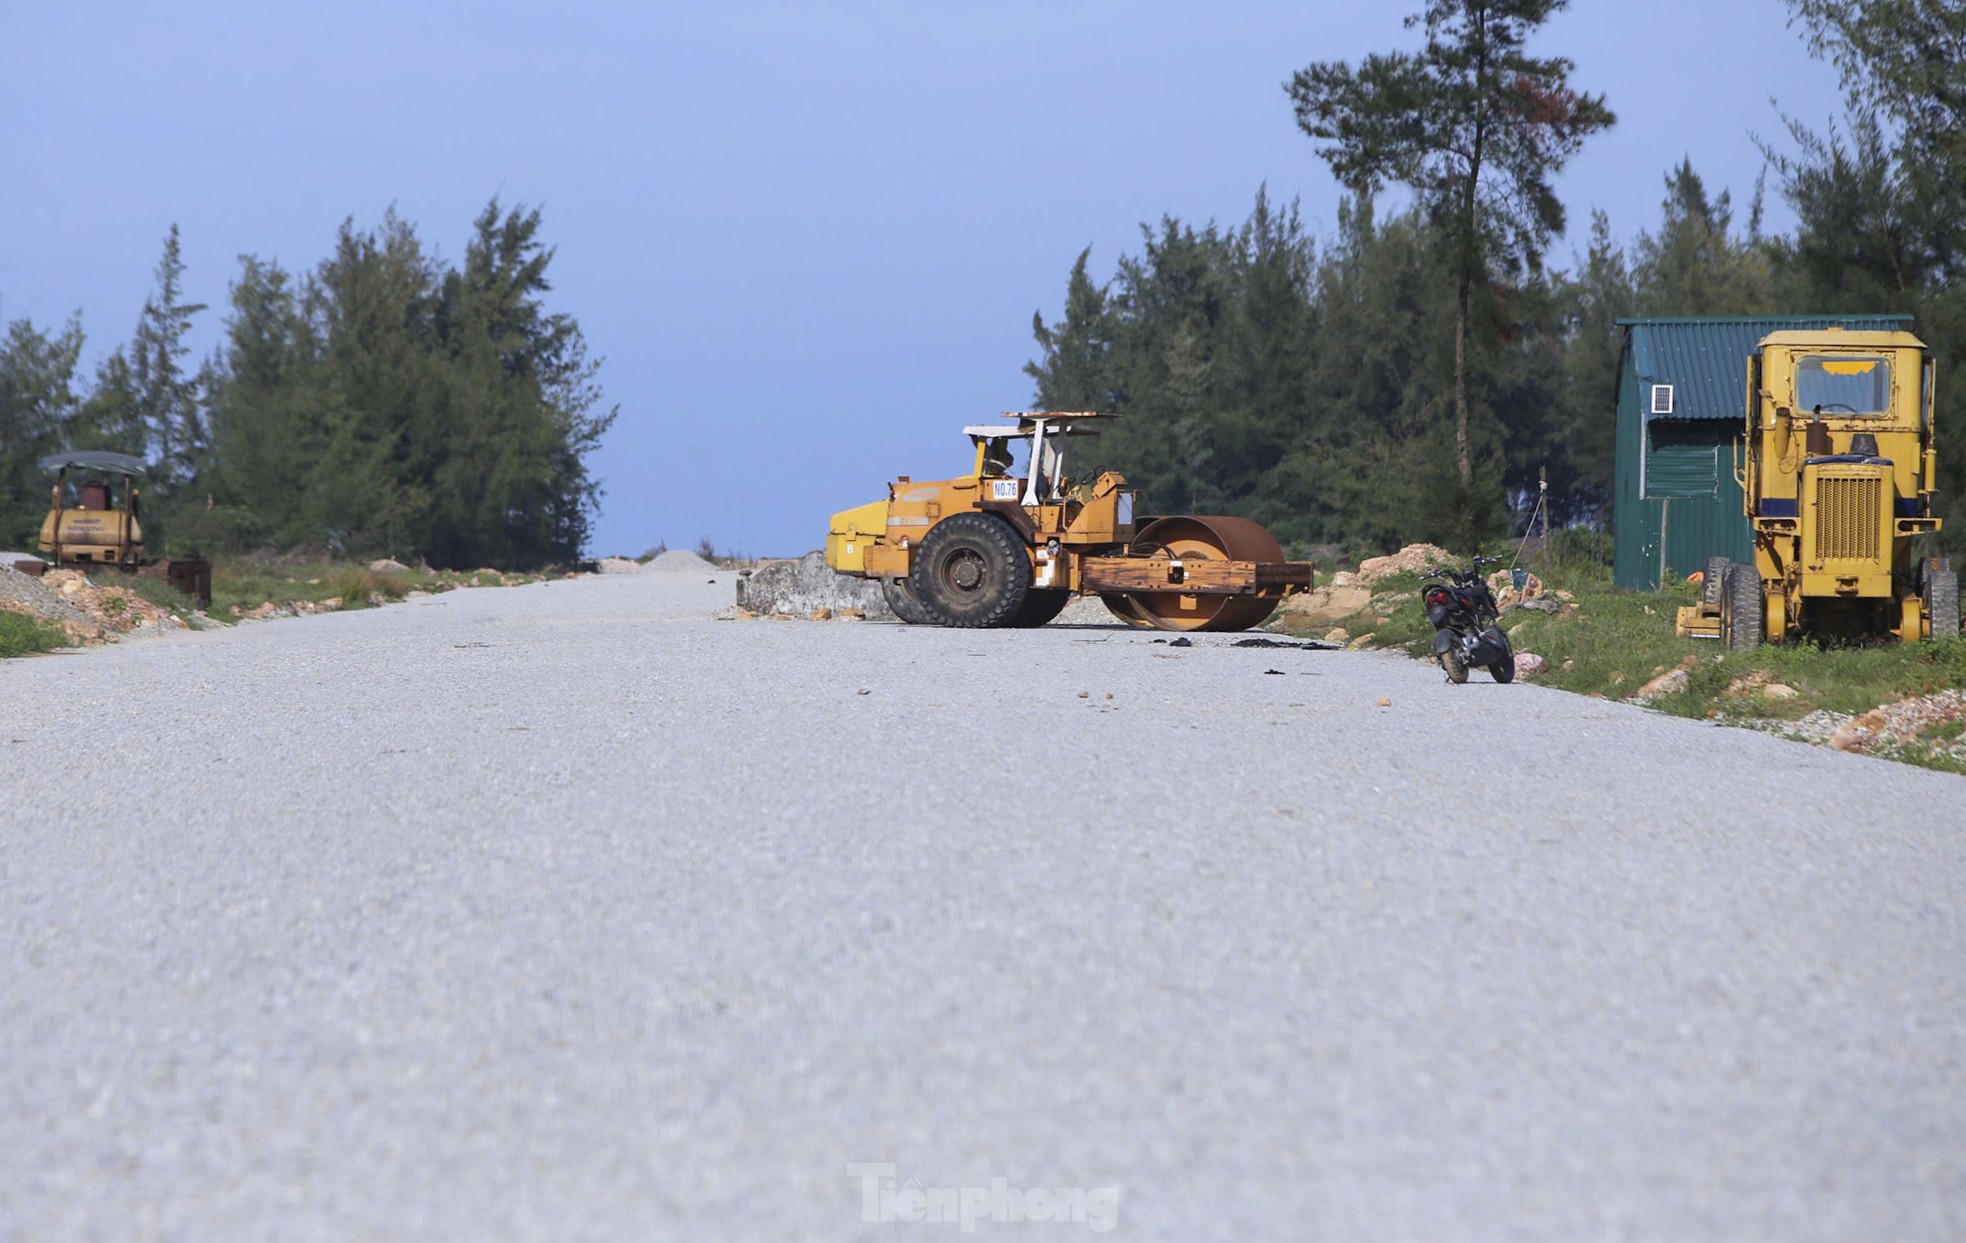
x=1942 y=597
x=972 y=571
x=1204 y=537
x=905 y=604
x=1121 y=605
x=1741 y=623
x=1713 y=581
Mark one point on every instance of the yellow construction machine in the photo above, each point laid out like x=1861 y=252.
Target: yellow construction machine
x=1837 y=470
x=89 y=527
x=999 y=548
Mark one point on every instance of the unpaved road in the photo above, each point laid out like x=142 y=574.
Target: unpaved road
x=561 y=912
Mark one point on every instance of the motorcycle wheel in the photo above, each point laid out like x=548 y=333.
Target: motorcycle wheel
x=1454 y=665
x=1503 y=670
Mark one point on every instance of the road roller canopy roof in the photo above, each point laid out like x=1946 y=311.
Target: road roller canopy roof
x=1055 y=422
x=94 y=459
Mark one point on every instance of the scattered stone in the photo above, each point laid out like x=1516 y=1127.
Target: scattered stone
x=850 y=615
x=387 y=565
x=779 y=617
x=1671 y=682
x=1344 y=578
x=1359 y=643
x=746 y=615
x=1183 y=641
x=1860 y=732
x=821 y=615
x=1529 y=664
x=1542 y=604
x=1337 y=634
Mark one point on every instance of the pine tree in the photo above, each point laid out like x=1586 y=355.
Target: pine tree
x=167 y=402
x=37 y=404
x=1478 y=128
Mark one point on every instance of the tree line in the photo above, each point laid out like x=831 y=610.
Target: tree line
x=385 y=402
x=1417 y=373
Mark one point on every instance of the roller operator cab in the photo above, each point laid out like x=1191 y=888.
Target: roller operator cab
x=88 y=521
x=1837 y=468
x=93 y=523
x=999 y=548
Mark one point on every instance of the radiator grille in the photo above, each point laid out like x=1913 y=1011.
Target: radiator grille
x=1847 y=518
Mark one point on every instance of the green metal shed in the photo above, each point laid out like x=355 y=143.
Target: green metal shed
x=1682 y=403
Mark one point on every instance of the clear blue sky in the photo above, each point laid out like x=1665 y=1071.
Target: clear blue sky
x=808 y=238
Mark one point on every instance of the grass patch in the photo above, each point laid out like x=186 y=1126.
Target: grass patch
x=21 y=635
x=241 y=586
x=152 y=590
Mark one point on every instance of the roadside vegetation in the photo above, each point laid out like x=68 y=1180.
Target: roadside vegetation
x=243 y=588
x=1597 y=640
x=22 y=635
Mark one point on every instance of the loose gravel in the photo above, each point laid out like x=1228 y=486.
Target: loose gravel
x=563 y=912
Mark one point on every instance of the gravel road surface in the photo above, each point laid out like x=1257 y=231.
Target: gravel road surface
x=563 y=912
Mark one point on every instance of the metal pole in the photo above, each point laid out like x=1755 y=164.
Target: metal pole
x=1543 y=503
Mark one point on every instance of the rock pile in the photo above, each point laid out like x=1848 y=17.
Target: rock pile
x=1896 y=726
x=1412 y=559
x=85 y=612
x=680 y=561
x=801 y=588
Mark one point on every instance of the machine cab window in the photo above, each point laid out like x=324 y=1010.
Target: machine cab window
x=1843 y=384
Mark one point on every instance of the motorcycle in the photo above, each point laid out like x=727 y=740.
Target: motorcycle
x=1464 y=616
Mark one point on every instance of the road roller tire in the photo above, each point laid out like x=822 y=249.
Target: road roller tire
x=971 y=571
x=1121 y=605
x=904 y=603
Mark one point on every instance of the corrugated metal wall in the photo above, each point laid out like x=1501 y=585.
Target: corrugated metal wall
x=1673 y=534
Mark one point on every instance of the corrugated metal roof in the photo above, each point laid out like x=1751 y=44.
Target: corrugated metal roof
x=1705 y=358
